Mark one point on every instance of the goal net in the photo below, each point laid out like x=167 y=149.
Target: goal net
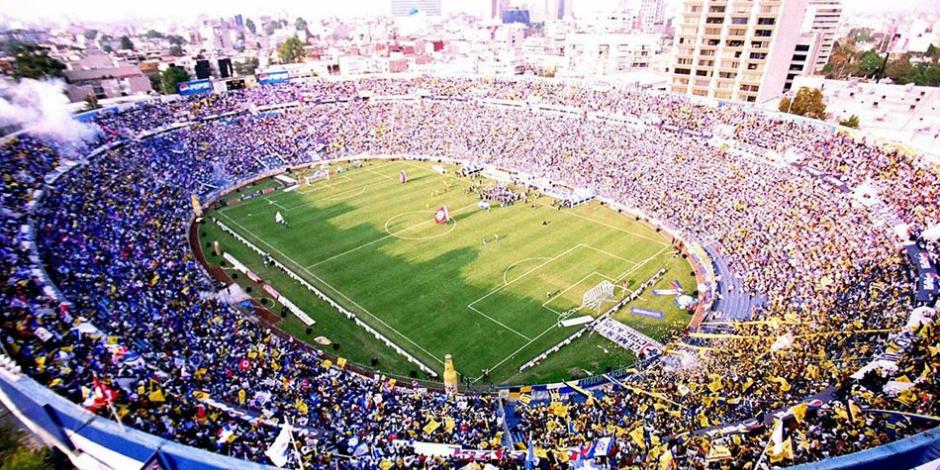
x=597 y=295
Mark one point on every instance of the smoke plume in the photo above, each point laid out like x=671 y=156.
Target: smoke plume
x=41 y=107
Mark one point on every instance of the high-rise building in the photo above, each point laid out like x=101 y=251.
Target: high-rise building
x=735 y=49
x=823 y=17
x=650 y=15
x=414 y=7
x=554 y=9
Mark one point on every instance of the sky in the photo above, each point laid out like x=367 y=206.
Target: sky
x=117 y=10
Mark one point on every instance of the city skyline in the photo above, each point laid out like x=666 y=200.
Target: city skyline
x=104 y=11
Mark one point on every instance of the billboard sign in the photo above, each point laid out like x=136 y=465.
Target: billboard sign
x=274 y=77
x=194 y=87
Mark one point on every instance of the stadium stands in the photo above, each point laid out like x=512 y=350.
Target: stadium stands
x=816 y=284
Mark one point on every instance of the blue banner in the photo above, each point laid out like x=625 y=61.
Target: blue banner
x=927 y=281
x=273 y=77
x=645 y=312
x=194 y=87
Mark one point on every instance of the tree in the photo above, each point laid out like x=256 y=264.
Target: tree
x=924 y=74
x=171 y=77
x=107 y=48
x=852 y=122
x=126 y=43
x=176 y=39
x=898 y=69
x=247 y=67
x=300 y=24
x=91 y=102
x=291 y=50
x=32 y=61
x=153 y=34
x=90 y=33
x=869 y=64
x=176 y=50
x=808 y=102
x=843 y=58
x=156 y=82
x=250 y=25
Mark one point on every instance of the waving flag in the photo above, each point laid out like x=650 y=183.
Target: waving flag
x=278 y=449
x=100 y=395
x=403 y=177
x=442 y=216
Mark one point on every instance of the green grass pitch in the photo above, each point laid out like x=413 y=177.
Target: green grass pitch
x=370 y=243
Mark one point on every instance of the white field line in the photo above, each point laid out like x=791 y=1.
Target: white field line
x=639 y=265
x=331 y=183
x=514 y=264
x=540 y=266
x=501 y=324
x=419 y=224
x=571 y=286
x=353 y=302
x=613 y=227
x=370 y=170
x=271 y=202
x=610 y=254
x=510 y=356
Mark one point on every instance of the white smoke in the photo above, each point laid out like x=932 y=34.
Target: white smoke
x=41 y=107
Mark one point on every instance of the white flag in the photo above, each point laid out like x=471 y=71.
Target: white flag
x=279 y=218
x=277 y=451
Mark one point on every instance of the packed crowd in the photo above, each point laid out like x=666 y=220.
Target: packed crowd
x=141 y=316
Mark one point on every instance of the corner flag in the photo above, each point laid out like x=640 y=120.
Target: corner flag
x=278 y=218
x=442 y=216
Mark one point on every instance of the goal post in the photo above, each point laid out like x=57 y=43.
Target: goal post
x=597 y=295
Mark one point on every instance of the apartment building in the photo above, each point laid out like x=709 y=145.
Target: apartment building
x=823 y=17
x=735 y=49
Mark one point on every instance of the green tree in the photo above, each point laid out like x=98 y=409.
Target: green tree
x=90 y=33
x=247 y=67
x=176 y=50
x=869 y=64
x=808 y=102
x=932 y=51
x=153 y=34
x=844 y=58
x=126 y=43
x=176 y=39
x=291 y=50
x=250 y=25
x=156 y=82
x=852 y=122
x=171 y=77
x=898 y=69
x=300 y=24
x=107 y=48
x=32 y=61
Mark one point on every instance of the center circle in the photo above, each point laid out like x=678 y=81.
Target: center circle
x=417 y=222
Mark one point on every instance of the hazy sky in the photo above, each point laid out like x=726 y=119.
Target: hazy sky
x=109 y=10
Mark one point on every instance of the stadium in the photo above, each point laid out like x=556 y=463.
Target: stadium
x=462 y=272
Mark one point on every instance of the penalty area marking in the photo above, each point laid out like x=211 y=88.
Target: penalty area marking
x=513 y=265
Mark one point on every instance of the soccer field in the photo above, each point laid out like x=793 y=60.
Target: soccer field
x=488 y=287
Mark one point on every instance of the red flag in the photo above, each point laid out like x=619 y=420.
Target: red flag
x=442 y=216
x=100 y=395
